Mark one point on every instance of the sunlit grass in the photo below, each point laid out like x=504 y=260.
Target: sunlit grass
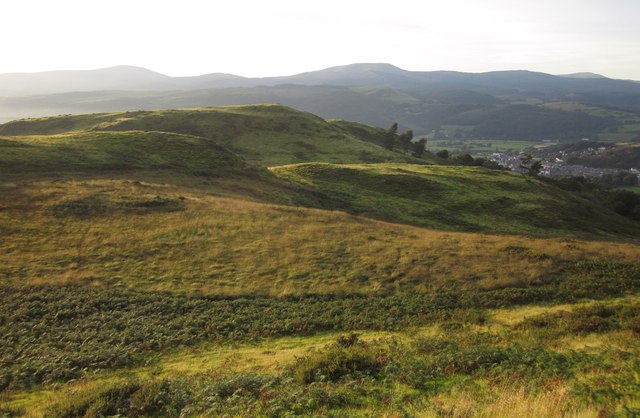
x=132 y=234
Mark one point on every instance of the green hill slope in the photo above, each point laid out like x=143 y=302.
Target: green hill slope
x=183 y=239
x=92 y=152
x=183 y=161
x=195 y=149
x=622 y=156
x=362 y=131
x=440 y=197
x=457 y=198
x=264 y=134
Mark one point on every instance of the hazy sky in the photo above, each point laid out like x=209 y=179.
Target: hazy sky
x=283 y=37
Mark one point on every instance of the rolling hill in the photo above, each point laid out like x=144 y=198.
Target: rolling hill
x=181 y=238
x=265 y=134
x=621 y=156
x=458 y=198
x=151 y=265
x=478 y=116
x=122 y=77
x=224 y=150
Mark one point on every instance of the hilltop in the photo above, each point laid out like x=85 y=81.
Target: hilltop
x=264 y=134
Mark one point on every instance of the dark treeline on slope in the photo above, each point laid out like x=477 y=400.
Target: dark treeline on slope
x=622 y=157
x=530 y=122
x=404 y=141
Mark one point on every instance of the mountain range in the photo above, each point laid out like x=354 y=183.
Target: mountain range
x=376 y=94
x=375 y=74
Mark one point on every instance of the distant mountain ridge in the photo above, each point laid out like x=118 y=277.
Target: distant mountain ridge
x=123 y=77
x=583 y=75
x=361 y=74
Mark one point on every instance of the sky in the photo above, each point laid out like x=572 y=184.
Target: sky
x=283 y=37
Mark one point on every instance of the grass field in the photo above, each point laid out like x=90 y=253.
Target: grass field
x=88 y=152
x=149 y=273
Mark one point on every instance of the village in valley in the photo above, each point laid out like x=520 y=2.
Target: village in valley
x=561 y=162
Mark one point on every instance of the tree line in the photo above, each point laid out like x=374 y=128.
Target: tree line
x=404 y=141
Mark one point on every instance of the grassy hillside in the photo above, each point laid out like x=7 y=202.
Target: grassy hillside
x=449 y=198
x=362 y=131
x=93 y=152
x=175 y=144
x=264 y=134
x=440 y=197
x=180 y=238
x=150 y=273
x=116 y=292
x=457 y=198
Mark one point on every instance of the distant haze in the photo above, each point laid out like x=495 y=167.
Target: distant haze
x=258 y=39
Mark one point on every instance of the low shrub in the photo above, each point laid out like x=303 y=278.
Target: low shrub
x=159 y=398
x=347 y=357
x=248 y=384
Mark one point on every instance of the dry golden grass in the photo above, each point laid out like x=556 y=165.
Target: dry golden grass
x=507 y=401
x=221 y=245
